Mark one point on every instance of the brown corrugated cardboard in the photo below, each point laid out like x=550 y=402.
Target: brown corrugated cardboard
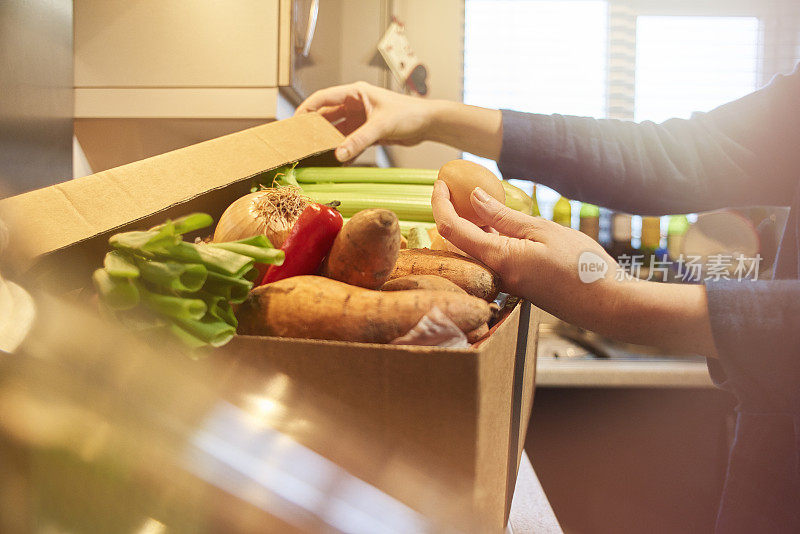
x=52 y=218
x=456 y=415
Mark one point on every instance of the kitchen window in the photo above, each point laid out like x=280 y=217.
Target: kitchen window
x=673 y=77
x=624 y=59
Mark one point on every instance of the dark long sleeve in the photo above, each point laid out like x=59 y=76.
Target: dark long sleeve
x=743 y=153
x=756 y=328
x=746 y=152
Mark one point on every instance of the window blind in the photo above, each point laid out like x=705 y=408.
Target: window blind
x=686 y=64
x=539 y=56
x=625 y=59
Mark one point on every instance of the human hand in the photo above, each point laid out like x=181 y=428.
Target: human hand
x=367 y=115
x=536 y=259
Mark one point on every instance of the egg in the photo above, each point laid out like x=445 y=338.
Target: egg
x=462 y=177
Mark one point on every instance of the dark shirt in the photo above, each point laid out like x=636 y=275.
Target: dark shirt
x=744 y=153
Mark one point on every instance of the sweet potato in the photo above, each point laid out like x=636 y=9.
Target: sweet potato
x=421 y=281
x=478 y=333
x=365 y=251
x=469 y=274
x=315 y=307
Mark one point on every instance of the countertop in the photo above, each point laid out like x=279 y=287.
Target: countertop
x=530 y=509
x=560 y=372
x=563 y=363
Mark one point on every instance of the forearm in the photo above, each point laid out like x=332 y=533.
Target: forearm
x=468 y=128
x=742 y=153
x=671 y=316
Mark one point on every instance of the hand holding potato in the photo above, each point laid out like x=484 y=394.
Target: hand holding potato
x=536 y=259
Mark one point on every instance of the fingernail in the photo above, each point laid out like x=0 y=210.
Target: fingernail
x=342 y=154
x=480 y=194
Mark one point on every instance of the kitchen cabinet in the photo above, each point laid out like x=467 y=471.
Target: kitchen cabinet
x=155 y=75
x=148 y=71
x=172 y=59
x=172 y=43
x=211 y=59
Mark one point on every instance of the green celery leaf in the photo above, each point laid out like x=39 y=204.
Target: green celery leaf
x=215 y=259
x=116 y=293
x=120 y=265
x=260 y=255
x=172 y=275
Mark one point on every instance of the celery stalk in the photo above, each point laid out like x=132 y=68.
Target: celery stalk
x=173 y=276
x=406 y=226
x=259 y=254
x=213 y=331
x=219 y=307
x=188 y=223
x=418 y=237
x=417 y=209
x=372 y=175
x=256 y=241
x=145 y=243
x=215 y=259
x=119 y=265
x=233 y=289
x=116 y=293
x=364 y=189
x=175 y=307
x=185 y=337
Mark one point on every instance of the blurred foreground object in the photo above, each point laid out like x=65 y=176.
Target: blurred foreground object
x=723 y=242
x=17 y=312
x=99 y=433
x=16 y=306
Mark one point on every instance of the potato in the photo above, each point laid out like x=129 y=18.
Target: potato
x=478 y=333
x=365 y=251
x=315 y=307
x=462 y=177
x=421 y=281
x=469 y=274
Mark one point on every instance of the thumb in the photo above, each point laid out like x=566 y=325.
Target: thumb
x=505 y=220
x=363 y=137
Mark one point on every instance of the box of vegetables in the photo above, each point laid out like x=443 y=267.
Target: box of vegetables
x=254 y=251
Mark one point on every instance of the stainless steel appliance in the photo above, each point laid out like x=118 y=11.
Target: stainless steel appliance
x=334 y=42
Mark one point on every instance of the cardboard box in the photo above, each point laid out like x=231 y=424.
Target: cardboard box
x=454 y=416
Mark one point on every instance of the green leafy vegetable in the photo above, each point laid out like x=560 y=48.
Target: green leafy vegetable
x=175 y=307
x=172 y=275
x=119 y=265
x=259 y=254
x=154 y=280
x=213 y=331
x=117 y=293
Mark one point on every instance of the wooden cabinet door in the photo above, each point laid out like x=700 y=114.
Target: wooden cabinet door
x=176 y=43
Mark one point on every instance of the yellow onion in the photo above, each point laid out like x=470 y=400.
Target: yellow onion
x=270 y=212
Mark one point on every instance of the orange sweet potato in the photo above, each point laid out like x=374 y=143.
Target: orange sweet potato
x=315 y=307
x=421 y=281
x=365 y=251
x=469 y=274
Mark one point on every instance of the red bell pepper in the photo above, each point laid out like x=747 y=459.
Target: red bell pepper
x=309 y=241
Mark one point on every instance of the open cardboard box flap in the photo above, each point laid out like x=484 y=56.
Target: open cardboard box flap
x=458 y=416
x=53 y=218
